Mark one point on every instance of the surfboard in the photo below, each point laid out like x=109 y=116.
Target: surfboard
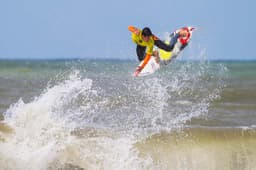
x=149 y=68
x=164 y=56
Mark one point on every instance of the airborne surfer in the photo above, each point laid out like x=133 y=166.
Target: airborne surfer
x=146 y=41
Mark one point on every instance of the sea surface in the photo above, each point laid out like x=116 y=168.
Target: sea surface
x=93 y=114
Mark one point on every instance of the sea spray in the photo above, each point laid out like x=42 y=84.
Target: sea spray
x=95 y=121
x=44 y=130
x=39 y=133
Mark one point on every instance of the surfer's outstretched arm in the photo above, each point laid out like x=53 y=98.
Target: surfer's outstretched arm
x=145 y=61
x=134 y=30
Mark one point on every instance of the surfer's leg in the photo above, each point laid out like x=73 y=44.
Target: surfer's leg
x=174 y=39
x=160 y=44
x=156 y=55
x=140 y=52
x=183 y=46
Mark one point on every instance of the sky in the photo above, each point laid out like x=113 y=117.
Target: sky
x=49 y=29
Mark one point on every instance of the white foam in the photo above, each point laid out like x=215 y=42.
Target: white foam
x=42 y=127
x=38 y=132
x=104 y=153
x=42 y=133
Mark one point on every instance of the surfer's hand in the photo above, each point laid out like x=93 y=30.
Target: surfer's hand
x=134 y=30
x=137 y=72
x=138 y=69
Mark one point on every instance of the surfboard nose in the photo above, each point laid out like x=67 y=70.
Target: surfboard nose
x=191 y=28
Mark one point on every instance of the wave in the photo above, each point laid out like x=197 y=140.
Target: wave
x=95 y=122
x=201 y=148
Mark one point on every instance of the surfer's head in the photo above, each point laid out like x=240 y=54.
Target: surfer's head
x=146 y=33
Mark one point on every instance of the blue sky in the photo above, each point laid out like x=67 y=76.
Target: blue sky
x=98 y=29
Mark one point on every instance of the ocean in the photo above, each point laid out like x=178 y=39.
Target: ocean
x=93 y=114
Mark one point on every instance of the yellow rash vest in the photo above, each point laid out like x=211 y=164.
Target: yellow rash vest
x=137 y=38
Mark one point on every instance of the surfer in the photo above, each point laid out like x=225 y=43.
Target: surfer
x=146 y=41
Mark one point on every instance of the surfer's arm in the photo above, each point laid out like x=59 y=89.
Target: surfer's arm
x=149 y=52
x=135 y=34
x=134 y=30
x=145 y=61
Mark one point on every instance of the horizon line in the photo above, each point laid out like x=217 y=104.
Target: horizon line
x=114 y=59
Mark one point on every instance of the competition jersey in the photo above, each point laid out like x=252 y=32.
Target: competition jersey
x=138 y=40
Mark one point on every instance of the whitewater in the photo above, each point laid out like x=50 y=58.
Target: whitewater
x=93 y=114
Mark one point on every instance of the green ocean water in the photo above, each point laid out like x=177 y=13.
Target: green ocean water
x=93 y=114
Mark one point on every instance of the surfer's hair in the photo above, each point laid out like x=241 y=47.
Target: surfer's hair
x=146 y=32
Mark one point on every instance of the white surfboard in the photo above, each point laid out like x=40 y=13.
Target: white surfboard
x=150 y=67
